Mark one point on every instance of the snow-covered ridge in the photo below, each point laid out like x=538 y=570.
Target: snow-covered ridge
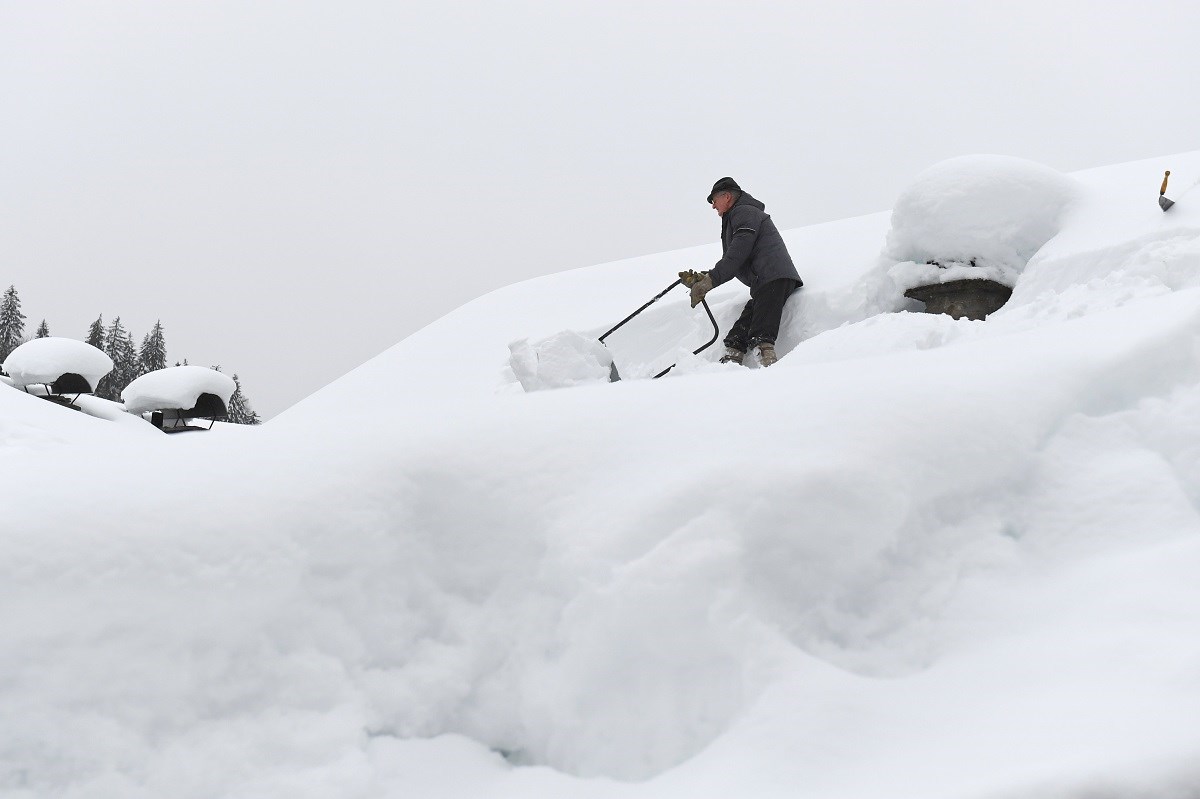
x=918 y=557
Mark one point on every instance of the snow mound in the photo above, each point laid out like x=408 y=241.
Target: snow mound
x=564 y=359
x=44 y=360
x=978 y=216
x=176 y=387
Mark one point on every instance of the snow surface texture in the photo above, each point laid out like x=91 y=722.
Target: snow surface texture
x=176 y=387
x=918 y=557
x=44 y=360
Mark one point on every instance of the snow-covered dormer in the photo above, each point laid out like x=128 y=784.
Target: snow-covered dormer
x=964 y=230
x=174 y=395
x=62 y=366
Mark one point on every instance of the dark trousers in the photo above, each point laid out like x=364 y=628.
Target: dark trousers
x=759 y=322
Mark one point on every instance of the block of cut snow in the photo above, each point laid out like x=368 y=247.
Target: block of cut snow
x=982 y=213
x=176 y=387
x=564 y=359
x=46 y=360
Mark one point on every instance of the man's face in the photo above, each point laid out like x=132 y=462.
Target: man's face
x=722 y=201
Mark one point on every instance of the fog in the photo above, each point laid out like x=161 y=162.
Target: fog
x=293 y=187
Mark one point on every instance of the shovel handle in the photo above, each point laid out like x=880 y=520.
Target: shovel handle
x=655 y=299
x=1163 y=190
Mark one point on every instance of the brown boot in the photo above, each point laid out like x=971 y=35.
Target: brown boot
x=733 y=356
x=766 y=354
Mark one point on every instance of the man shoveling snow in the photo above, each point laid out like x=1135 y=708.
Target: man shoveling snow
x=753 y=252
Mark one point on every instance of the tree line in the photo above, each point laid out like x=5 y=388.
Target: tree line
x=129 y=360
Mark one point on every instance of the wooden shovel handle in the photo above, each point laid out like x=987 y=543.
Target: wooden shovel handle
x=1163 y=190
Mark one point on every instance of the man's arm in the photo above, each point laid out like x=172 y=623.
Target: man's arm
x=745 y=231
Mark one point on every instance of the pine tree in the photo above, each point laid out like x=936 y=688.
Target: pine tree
x=240 y=411
x=43 y=330
x=126 y=364
x=95 y=334
x=12 y=323
x=153 y=355
x=118 y=346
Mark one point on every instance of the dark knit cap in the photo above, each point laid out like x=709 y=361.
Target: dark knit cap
x=724 y=184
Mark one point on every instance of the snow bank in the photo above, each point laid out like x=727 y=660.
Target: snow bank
x=176 y=387
x=564 y=359
x=44 y=360
x=977 y=216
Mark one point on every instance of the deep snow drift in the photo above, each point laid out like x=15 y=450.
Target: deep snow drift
x=919 y=557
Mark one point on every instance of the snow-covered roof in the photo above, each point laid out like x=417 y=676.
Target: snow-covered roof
x=951 y=556
x=176 y=387
x=44 y=360
x=116 y=413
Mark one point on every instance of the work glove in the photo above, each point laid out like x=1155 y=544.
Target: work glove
x=700 y=288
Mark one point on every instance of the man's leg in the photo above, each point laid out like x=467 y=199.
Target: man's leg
x=766 y=315
x=737 y=341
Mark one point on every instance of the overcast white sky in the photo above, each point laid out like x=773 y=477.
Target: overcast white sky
x=293 y=187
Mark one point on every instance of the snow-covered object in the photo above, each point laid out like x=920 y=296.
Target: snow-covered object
x=176 y=387
x=564 y=359
x=995 y=211
x=44 y=360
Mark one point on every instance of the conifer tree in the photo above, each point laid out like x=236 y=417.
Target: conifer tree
x=12 y=322
x=126 y=364
x=153 y=354
x=95 y=334
x=43 y=330
x=118 y=346
x=240 y=411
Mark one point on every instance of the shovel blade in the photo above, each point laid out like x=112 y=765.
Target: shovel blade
x=1164 y=203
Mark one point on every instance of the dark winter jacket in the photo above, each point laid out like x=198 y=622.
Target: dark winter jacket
x=752 y=249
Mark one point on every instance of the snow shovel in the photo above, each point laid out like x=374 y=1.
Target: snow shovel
x=613 y=375
x=1163 y=202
